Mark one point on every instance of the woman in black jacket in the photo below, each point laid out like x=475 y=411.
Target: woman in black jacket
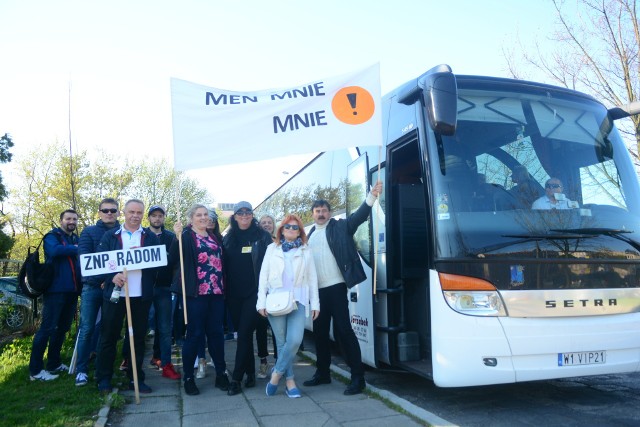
x=204 y=290
x=245 y=245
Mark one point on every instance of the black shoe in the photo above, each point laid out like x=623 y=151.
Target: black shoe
x=234 y=388
x=142 y=387
x=250 y=381
x=222 y=382
x=317 y=380
x=190 y=387
x=356 y=387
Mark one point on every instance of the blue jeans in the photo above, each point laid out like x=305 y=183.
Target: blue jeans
x=90 y=304
x=57 y=314
x=204 y=315
x=288 y=330
x=163 y=323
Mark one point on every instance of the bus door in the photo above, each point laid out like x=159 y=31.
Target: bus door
x=404 y=316
x=361 y=296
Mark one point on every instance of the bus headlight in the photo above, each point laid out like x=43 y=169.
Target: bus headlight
x=471 y=296
x=475 y=303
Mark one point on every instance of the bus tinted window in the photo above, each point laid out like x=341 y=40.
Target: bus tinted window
x=507 y=146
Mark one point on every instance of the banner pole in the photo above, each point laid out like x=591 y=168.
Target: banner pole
x=184 y=294
x=74 y=357
x=132 y=360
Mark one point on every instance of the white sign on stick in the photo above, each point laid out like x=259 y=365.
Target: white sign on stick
x=115 y=261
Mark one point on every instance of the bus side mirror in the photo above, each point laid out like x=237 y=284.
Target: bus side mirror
x=626 y=110
x=440 y=96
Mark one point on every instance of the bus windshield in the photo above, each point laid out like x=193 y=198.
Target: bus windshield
x=532 y=172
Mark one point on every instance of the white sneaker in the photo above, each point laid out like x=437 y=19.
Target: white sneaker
x=263 y=370
x=81 y=379
x=202 y=368
x=61 y=368
x=43 y=376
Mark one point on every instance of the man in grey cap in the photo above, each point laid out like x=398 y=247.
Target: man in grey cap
x=162 y=299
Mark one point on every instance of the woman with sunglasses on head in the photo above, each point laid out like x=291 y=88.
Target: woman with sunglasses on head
x=268 y=223
x=245 y=245
x=289 y=266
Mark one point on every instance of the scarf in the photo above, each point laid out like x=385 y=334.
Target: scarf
x=287 y=246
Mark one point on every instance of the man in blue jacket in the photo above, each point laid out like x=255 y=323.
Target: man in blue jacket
x=140 y=284
x=338 y=267
x=60 y=300
x=91 y=300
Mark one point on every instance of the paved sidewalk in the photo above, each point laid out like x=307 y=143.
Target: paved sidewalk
x=324 y=405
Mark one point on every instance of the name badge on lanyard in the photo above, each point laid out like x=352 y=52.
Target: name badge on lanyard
x=246 y=249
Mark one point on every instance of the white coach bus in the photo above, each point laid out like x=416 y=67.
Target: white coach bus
x=473 y=285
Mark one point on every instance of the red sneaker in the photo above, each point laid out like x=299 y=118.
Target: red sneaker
x=168 y=371
x=155 y=363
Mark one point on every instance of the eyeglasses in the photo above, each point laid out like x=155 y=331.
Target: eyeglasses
x=291 y=226
x=106 y=211
x=553 y=186
x=244 y=213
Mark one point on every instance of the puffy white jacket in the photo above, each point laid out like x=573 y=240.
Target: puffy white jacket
x=304 y=271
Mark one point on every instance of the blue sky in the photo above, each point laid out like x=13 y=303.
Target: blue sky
x=120 y=55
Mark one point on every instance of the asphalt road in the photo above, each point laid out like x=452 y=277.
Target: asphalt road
x=606 y=400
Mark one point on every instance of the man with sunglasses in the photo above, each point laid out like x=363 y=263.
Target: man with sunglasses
x=338 y=267
x=554 y=197
x=91 y=299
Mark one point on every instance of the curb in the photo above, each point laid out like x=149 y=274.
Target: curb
x=103 y=413
x=415 y=411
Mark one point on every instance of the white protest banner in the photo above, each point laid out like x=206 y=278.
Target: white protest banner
x=114 y=261
x=214 y=127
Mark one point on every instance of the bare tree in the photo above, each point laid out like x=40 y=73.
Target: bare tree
x=598 y=42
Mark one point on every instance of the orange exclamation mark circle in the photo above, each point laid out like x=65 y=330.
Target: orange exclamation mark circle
x=353 y=105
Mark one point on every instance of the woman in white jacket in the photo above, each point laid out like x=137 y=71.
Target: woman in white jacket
x=288 y=266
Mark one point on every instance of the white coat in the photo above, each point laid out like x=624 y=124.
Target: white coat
x=304 y=271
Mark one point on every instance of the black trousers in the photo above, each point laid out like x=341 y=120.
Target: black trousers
x=113 y=315
x=334 y=304
x=262 y=337
x=243 y=316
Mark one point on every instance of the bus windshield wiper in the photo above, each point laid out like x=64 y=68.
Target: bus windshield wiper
x=524 y=238
x=611 y=232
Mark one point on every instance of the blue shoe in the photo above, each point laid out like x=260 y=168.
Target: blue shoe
x=271 y=389
x=294 y=393
x=104 y=386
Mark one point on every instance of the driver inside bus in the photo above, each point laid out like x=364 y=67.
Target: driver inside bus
x=554 y=197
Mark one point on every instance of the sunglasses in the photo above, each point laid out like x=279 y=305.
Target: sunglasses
x=291 y=226
x=106 y=211
x=244 y=213
x=553 y=186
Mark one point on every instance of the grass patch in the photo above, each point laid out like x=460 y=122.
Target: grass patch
x=35 y=403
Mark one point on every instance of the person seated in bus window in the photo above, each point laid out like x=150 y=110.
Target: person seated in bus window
x=554 y=197
x=483 y=197
x=460 y=180
x=526 y=189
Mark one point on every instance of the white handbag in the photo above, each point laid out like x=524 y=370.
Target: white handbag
x=280 y=303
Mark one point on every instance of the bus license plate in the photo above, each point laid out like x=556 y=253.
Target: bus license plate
x=582 y=358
